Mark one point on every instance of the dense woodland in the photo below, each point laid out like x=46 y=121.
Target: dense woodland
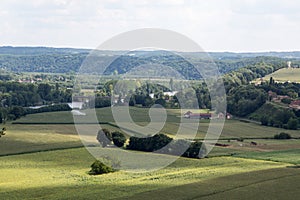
x=52 y=60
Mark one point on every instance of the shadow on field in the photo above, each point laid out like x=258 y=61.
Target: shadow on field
x=279 y=183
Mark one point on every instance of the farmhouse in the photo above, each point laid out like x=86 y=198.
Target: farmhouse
x=75 y=105
x=295 y=104
x=222 y=115
x=85 y=99
x=170 y=94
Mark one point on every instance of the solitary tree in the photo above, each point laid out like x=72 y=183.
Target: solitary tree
x=104 y=137
x=271 y=82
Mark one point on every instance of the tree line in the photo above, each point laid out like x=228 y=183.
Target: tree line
x=156 y=143
x=15 y=98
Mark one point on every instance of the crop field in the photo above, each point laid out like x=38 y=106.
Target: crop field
x=48 y=161
x=232 y=128
x=63 y=174
x=283 y=75
x=28 y=138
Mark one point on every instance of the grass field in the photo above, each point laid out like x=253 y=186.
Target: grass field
x=283 y=75
x=232 y=128
x=47 y=161
x=63 y=174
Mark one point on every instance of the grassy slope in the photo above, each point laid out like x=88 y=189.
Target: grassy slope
x=287 y=156
x=63 y=174
x=284 y=75
x=263 y=184
x=28 y=138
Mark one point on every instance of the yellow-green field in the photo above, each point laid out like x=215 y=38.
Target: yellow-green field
x=286 y=74
x=47 y=161
x=62 y=174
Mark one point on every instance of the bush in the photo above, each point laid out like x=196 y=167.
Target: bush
x=118 y=139
x=98 y=167
x=282 y=136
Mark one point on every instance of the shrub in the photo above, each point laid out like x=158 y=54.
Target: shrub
x=282 y=136
x=98 y=167
x=118 y=139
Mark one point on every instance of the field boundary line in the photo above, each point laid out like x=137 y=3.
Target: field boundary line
x=38 y=151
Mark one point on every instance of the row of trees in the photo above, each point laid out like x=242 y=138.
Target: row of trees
x=20 y=94
x=185 y=148
x=282 y=118
x=15 y=112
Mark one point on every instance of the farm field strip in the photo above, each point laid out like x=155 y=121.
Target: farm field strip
x=49 y=174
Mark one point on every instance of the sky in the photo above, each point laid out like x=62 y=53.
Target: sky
x=216 y=25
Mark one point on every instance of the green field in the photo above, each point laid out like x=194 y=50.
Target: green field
x=286 y=74
x=63 y=174
x=232 y=128
x=47 y=161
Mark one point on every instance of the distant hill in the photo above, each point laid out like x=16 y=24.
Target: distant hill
x=65 y=60
x=8 y=50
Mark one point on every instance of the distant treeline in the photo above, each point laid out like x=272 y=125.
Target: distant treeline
x=68 y=61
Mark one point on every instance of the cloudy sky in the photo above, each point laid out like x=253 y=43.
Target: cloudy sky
x=216 y=25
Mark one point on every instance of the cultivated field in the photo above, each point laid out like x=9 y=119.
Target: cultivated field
x=44 y=159
x=62 y=174
x=232 y=129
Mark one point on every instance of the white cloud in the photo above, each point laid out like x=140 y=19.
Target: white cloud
x=227 y=25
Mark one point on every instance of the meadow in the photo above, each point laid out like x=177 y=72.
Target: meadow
x=43 y=157
x=233 y=129
x=63 y=174
x=284 y=75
